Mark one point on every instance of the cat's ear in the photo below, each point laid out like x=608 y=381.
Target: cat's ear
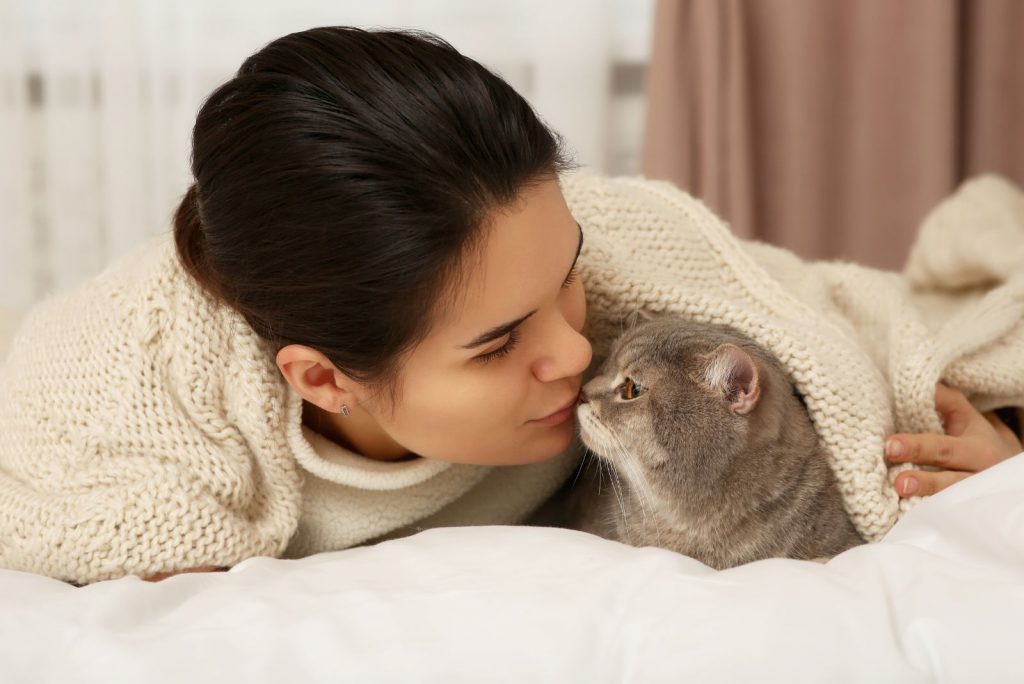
x=732 y=372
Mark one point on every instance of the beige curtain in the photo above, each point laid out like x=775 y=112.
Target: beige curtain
x=830 y=127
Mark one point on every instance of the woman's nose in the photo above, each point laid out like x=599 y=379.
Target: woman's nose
x=572 y=357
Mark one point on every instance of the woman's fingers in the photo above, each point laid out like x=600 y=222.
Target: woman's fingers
x=954 y=408
x=941 y=451
x=923 y=483
x=972 y=442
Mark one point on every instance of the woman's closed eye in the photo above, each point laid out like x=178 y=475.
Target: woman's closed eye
x=513 y=338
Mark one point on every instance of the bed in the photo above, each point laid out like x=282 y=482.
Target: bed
x=940 y=598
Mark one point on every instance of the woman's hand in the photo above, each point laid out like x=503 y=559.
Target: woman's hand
x=973 y=442
x=164 y=575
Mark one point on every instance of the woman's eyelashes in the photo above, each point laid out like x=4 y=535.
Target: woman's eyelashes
x=513 y=337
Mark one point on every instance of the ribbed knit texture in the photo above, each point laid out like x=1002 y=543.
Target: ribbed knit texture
x=145 y=428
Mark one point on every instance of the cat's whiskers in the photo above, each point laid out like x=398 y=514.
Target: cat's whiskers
x=587 y=453
x=607 y=437
x=643 y=488
x=636 y=497
x=625 y=462
x=609 y=519
x=645 y=495
x=617 y=489
x=640 y=487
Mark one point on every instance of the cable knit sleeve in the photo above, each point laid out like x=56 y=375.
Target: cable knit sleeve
x=141 y=431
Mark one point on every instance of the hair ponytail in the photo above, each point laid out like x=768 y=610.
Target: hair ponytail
x=191 y=243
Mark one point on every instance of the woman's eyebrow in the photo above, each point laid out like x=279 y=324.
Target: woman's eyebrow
x=505 y=328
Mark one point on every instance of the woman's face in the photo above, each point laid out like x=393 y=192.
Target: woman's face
x=508 y=354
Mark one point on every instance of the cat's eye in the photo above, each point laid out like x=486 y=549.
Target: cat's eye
x=630 y=390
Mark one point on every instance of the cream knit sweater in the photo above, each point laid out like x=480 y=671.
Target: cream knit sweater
x=145 y=428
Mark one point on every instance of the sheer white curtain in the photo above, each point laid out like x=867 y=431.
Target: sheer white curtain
x=97 y=101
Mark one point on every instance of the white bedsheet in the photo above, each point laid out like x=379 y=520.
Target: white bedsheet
x=940 y=599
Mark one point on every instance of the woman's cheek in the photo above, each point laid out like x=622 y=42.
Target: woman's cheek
x=490 y=398
x=577 y=314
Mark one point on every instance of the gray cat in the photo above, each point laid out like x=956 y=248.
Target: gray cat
x=711 y=451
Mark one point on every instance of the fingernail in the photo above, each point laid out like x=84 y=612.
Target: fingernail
x=893 y=448
x=909 y=485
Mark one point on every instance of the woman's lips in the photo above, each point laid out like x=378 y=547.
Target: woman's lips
x=561 y=414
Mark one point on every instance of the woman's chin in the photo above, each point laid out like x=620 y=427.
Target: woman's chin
x=554 y=440
x=549 y=442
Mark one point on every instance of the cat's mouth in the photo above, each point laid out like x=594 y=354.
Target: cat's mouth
x=593 y=433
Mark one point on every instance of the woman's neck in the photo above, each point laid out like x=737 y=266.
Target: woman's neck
x=358 y=432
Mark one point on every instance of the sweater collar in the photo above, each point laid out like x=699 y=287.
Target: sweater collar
x=331 y=461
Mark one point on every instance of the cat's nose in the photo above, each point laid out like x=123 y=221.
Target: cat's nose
x=582 y=399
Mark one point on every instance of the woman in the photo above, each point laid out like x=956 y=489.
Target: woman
x=370 y=298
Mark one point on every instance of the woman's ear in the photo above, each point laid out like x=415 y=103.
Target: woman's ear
x=732 y=373
x=316 y=379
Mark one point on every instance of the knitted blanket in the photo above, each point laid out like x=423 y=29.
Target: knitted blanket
x=864 y=347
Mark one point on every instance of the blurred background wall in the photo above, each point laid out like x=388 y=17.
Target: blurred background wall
x=98 y=98
x=829 y=127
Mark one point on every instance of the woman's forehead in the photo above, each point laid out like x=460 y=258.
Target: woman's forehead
x=524 y=255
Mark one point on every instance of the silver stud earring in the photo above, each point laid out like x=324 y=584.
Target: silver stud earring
x=345 y=411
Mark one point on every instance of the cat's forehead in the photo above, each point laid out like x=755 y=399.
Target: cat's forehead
x=667 y=336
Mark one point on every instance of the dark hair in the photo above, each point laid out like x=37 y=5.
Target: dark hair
x=341 y=179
